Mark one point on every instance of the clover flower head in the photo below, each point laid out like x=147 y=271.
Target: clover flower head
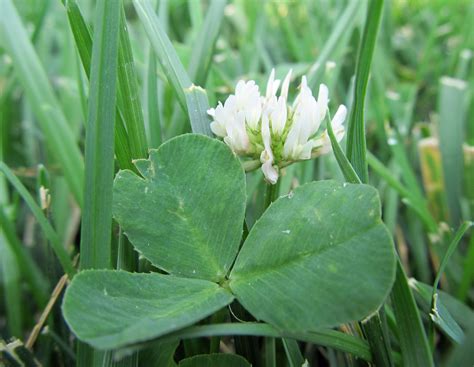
x=267 y=128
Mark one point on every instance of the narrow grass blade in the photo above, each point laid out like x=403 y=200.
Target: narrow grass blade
x=356 y=143
x=270 y=352
x=201 y=54
x=154 y=120
x=347 y=170
x=418 y=207
x=48 y=230
x=452 y=105
x=169 y=60
x=83 y=39
x=412 y=337
x=293 y=352
x=461 y=313
x=96 y=247
x=29 y=269
x=11 y=285
x=328 y=338
x=401 y=158
x=97 y=214
x=341 y=31
x=374 y=328
x=60 y=139
x=195 y=13
x=451 y=248
x=128 y=94
x=435 y=314
x=443 y=319
x=196 y=99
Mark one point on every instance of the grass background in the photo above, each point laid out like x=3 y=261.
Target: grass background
x=57 y=131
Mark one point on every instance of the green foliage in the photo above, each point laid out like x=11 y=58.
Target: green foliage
x=191 y=199
x=107 y=80
x=295 y=257
x=110 y=309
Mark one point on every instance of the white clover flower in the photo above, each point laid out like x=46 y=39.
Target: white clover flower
x=267 y=129
x=266 y=157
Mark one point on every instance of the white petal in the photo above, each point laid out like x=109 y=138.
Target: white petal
x=279 y=116
x=271 y=79
x=323 y=95
x=272 y=85
x=323 y=100
x=339 y=117
x=218 y=129
x=306 y=151
x=270 y=173
x=266 y=137
x=326 y=145
x=285 y=86
x=291 y=143
x=211 y=112
x=304 y=83
x=237 y=137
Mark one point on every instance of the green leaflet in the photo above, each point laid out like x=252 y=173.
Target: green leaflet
x=321 y=254
x=186 y=215
x=109 y=308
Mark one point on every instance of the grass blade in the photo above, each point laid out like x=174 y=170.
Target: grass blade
x=30 y=72
x=48 y=230
x=270 y=352
x=198 y=104
x=194 y=103
x=347 y=170
x=97 y=214
x=154 y=118
x=412 y=338
x=128 y=94
x=201 y=54
x=451 y=248
x=341 y=32
x=434 y=311
x=356 y=144
x=452 y=111
x=329 y=338
x=96 y=247
x=419 y=207
x=375 y=328
x=29 y=269
x=11 y=285
x=293 y=352
x=83 y=39
x=169 y=60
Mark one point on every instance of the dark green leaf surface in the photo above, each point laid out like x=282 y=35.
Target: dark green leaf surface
x=321 y=254
x=110 y=309
x=186 y=215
